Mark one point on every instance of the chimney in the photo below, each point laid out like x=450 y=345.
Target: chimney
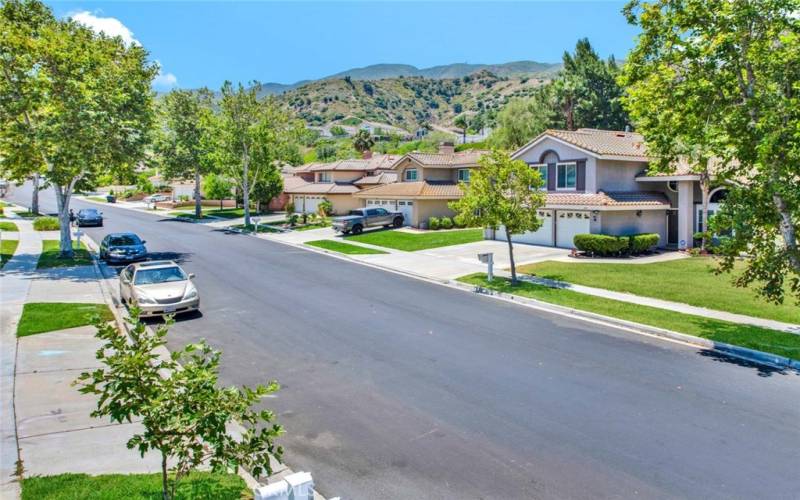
x=447 y=148
x=366 y=154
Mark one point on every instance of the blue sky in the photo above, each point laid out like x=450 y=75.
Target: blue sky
x=205 y=43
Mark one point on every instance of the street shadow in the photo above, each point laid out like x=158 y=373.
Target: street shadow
x=179 y=318
x=760 y=369
x=24 y=266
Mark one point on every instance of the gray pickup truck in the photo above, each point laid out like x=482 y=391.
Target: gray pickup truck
x=361 y=218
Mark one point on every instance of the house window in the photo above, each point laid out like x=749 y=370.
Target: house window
x=324 y=176
x=411 y=174
x=567 y=176
x=463 y=175
x=542 y=169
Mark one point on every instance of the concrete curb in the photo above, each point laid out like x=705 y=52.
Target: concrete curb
x=750 y=355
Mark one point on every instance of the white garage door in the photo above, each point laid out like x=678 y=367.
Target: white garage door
x=542 y=236
x=403 y=206
x=568 y=224
x=307 y=204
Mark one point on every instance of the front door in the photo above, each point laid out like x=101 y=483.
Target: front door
x=672 y=227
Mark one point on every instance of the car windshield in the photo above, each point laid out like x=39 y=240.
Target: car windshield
x=160 y=275
x=123 y=241
x=88 y=211
x=356 y=212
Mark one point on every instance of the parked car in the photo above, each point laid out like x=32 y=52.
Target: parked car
x=122 y=247
x=359 y=219
x=156 y=198
x=89 y=217
x=157 y=288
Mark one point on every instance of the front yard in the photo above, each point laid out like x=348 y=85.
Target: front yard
x=341 y=247
x=7 y=249
x=411 y=242
x=752 y=337
x=41 y=317
x=51 y=256
x=196 y=485
x=690 y=281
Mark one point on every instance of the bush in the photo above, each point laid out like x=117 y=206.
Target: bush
x=458 y=221
x=325 y=208
x=46 y=224
x=639 y=243
x=433 y=223
x=446 y=223
x=601 y=244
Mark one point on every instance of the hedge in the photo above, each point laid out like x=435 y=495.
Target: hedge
x=603 y=244
x=446 y=223
x=433 y=223
x=600 y=244
x=46 y=224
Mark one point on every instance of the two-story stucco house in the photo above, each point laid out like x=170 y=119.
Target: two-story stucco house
x=426 y=183
x=337 y=182
x=597 y=182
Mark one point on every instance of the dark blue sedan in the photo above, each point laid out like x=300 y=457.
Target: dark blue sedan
x=122 y=248
x=89 y=217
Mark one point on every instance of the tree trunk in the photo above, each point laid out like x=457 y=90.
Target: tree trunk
x=246 y=187
x=164 y=479
x=35 y=194
x=704 y=187
x=198 y=209
x=62 y=200
x=511 y=258
x=788 y=232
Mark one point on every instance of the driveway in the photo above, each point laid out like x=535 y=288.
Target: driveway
x=523 y=254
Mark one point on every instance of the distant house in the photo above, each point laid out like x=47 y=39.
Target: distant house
x=337 y=182
x=426 y=184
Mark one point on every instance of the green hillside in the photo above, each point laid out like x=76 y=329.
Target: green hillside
x=408 y=102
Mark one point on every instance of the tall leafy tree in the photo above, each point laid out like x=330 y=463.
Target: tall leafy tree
x=252 y=138
x=74 y=103
x=523 y=119
x=181 y=146
x=746 y=54
x=217 y=187
x=502 y=192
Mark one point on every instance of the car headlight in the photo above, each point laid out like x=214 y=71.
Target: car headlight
x=117 y=251
x=191 y=293
x=145 y=299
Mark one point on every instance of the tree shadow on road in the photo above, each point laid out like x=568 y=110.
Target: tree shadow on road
x=760 y=369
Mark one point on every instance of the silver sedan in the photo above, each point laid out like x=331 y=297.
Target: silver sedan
x=158 y=288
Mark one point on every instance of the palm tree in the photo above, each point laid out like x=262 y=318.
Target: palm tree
x=461 y=122
x=363 y=141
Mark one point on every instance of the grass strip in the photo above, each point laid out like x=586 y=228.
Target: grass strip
x=97 y=198
x=51 y=255
x=197 y=485
x=690 y=281
x=262 y=228
x=411 y=242
x=7 y=249
x=8 y=226
x=751 y=337
x=40 y=317
x=338 y=246
x=189 y=215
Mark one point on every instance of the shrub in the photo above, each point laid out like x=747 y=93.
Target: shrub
x=46 y=224
x=433 y=223
x=458 y=221
x=290 y=207
x=446 y=223
x=325 y=208
x=639 y=243
x=601 y=244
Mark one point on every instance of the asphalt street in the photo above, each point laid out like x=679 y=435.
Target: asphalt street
x=397 y=388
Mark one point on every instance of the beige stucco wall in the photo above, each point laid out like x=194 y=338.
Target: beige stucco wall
x=425 y=209
x=614 y=175
x=341 y=176
x=565 y=153
x=626 y=222
x=343 y=203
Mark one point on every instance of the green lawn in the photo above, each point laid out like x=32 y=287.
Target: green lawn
x=7 y=249
x=761 y=339
x=8 y=226
x=262 y=228
x=188 y=215
x=232 y=213
x=691 y=281
x=411 y=242
x=101 y=199
x=51 y=256
x=196 y=486
x=40 y=317
x=338 y=246
x=28 y=214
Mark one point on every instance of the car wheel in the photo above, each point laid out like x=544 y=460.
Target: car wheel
x=398 y=222
x=346 y=232
x=357 y=229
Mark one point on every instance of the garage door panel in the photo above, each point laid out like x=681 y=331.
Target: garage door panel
x=542 y=236
x=568 y=224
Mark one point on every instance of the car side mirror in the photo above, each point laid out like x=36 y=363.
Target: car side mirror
x=144 y=241
x=191 y=276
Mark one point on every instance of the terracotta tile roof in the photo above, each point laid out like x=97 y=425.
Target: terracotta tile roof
x=373 y=180
x=604 y=142
x=448 y=160
x=611 y=199
x=418 y=189
x=290 y=182
x=322 y=188
x=377 y=162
